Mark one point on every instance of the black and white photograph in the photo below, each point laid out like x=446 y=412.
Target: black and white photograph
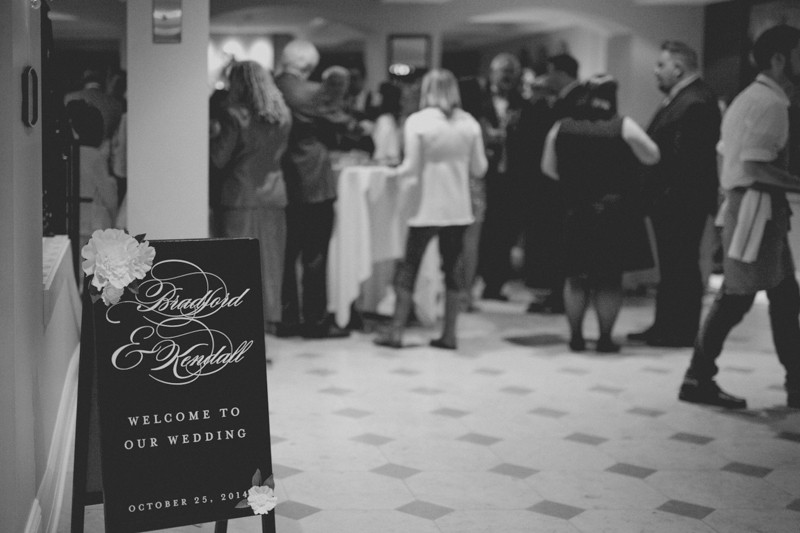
x=392 y=266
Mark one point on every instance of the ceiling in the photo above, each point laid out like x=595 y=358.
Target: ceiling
x=104 y=20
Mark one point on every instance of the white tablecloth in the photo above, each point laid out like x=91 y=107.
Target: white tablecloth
x=370 y=230
x=57 y=376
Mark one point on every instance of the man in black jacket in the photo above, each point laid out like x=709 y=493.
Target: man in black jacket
x=510 y=130
x=570 y=101
x=682 y=191
x=311 y=190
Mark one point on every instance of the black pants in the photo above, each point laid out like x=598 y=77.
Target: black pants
x=451 y=249
x=308 y=234
x=679 y=299
x=729 y=309
x=507 y=205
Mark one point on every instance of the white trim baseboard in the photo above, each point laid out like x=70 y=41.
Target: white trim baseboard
x=53 y=487
x=34 y=523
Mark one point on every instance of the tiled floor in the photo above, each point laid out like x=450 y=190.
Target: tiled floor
x=513 y=433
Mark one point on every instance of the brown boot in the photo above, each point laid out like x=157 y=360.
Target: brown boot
x=392 y=337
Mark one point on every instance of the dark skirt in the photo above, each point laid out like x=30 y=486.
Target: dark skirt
x=604 y=238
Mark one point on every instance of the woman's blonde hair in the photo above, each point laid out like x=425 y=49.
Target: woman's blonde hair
x=440 y=89
x=252 y=85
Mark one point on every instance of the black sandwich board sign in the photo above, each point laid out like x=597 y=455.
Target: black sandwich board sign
x=179 y=368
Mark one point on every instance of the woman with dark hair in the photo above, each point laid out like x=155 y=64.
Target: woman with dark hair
x=443 y=148
x=247 y=150
x=596 y=160
x=387 y=134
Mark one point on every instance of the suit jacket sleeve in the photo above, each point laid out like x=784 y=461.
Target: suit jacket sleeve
x=695 y=171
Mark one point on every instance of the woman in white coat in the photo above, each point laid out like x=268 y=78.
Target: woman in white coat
x=443 y=147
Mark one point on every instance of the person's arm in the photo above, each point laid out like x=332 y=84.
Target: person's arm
x=224 y=143
x=549 y=157
x=412 y=154
x=765 y=137
x=768 y=174
x=478 y=163
x=641 y=144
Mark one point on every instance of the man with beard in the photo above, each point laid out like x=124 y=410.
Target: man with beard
x=755 y=222
x=682 y=191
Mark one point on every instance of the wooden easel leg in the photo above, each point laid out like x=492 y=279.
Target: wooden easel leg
x=265 y=525
x=85 y=383
x=221 y=526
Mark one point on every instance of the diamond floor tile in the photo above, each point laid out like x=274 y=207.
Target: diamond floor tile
x=295 y=510
x=631 y=470
x=556 y=510
x=428 y=510
x=687 y=509
x=747 y=470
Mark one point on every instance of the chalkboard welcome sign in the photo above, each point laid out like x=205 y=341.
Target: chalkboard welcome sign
x=181 y=388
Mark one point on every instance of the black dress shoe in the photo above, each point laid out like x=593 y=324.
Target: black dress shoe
x=284 y=330
x=547 y=306
x=440 y=343
x=577 y=344
x=793 y=400
x=494 y=295
x=709 y=393
x=670 y=342
x=607 y=346
x=641 y=336
x=325 y=330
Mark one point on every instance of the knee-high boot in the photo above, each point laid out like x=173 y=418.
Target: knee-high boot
x=393 y=336
x=452 y=307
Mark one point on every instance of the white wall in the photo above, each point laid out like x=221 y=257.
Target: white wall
x=21 y=329
x=168 y=126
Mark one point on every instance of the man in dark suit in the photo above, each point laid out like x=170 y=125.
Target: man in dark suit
x=510 y=129
x=311 y=190
x=570 y=101
x=682 y=192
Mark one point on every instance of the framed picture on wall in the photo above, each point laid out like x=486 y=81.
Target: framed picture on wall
x=413 y=50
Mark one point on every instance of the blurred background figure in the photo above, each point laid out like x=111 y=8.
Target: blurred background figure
x=508 y=129
x=118 y=156
x=596 y=162
x=247 y=151
x=567 y=96
x=97 y=116
x=444 y=147
x=472 y=90
x=387 y=134
x=95 y=94
x=311 y=188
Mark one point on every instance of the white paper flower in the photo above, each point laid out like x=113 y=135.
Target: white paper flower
x=111 y=295
x=261 y=499
x=114 y=259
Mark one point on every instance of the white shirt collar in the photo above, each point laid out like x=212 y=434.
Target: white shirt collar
x=567 y=88
x=681 y=85
x=773 y=85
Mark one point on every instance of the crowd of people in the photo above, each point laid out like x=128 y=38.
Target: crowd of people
x=542 y=162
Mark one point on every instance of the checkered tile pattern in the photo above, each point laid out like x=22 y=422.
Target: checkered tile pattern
x=513 y=433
